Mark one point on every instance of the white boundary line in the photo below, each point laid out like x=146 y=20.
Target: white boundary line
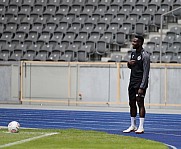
x=172 y=147
x=27 y=140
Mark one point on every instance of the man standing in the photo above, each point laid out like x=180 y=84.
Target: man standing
x=140 y=66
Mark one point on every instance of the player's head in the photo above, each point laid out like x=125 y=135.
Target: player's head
x=137 y=41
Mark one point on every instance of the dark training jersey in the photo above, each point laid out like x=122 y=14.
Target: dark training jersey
x=140 y=71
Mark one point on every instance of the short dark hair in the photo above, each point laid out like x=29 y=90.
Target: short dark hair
x=140 y=38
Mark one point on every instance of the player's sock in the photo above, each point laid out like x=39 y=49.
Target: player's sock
x=141 y=123
x=133 y=121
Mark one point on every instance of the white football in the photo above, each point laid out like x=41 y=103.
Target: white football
x=13 y=127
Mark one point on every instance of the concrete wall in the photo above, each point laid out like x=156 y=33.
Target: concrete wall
x=86 y=84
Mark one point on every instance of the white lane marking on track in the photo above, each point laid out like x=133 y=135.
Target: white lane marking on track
x=172 y=147
x=164 y=134
x=27 y=140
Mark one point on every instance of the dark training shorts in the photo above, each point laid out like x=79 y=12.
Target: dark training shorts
x=133 y=93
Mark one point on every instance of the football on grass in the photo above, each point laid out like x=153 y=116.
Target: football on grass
x=13 y=127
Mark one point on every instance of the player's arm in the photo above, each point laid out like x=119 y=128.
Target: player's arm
x=146 y=69
x=131 y=63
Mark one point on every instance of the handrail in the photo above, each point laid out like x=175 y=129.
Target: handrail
x=161 y=25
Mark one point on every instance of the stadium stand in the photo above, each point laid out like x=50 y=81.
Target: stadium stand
x=102 y=27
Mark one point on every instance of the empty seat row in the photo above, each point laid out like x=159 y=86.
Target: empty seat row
x=12 y=52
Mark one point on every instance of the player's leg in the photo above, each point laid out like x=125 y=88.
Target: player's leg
x=142 y=111
x=133 y=110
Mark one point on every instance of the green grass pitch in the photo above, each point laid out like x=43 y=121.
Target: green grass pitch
x=71 y=139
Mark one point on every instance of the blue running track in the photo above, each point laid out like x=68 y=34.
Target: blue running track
x=159 y=127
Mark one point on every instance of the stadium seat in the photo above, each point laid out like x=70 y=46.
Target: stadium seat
x=54 y=2
x=113 y=9
x=176 y=30
x=100 y=28
x=53 y=19
x=62 y=11
x=88 y=27
x=92 y=2
x=75 y=27
x=115 y=58
x=29 y=55
x=40 y=20
x=101 y=9
x=49 y=28
x=175 y=48
x=166 y=58
x=177 y=13
x=27 y=20
x=24 y=27
x=65 y=58
x=92 y=20
x=49 y=11
x=157 y=18
x=75 y=10
x=32 y=37
x=12 y=10
x=176 y=59
x=151 y=9
x=44 y=38
x=106 y=18
x=25 y=10
x=6 y=36
x=1 y=29
x=112 y=30
x=18 y=52
x=104 y=2
x=4 y=2
x=120 y=39
x=125 y=10
x=19 y=37
x=2 y=10
x=149 y=48
x=8 y=47
x=117 y=2
x=141 y=28
x=67 y=19
x=138 y=9
x=68 y=38
x=62 y=27
x=108 y=37
x=54 y=56
x=11 y=27
x=34 y=47
x=28 y=3
x=66 y=2
x=37 y=10
x=102 y=48
x=169 y=39
x=146 y=19
x=142 y=3
x=56 y=38
x=168 y=3
x=41 y=2
x=82 y=36
x=88 y=9
x=155 y=58
x=37 y=27
x=43 y=53
x=59 y=48
x=79 y=2
x=72 y=50
x=6 y=51
x=83 y=53
x=80 y=20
